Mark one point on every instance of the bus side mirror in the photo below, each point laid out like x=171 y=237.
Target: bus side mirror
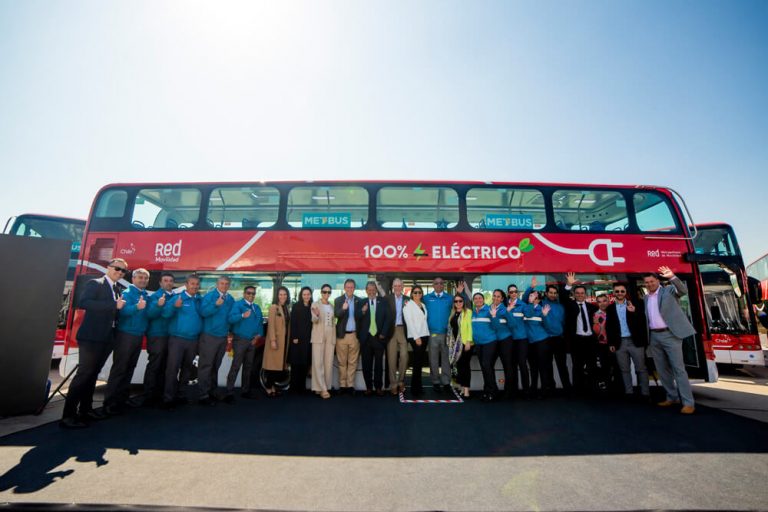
x=755 y=290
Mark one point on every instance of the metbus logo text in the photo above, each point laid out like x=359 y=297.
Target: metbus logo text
x=168 y=252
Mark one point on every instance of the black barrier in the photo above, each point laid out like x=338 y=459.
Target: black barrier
x=33 y=271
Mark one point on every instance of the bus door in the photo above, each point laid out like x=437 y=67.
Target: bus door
x=730 y=321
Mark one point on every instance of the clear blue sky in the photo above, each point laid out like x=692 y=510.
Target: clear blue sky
x=669 y=93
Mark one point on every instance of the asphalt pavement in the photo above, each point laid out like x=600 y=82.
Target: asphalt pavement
x=376 y=453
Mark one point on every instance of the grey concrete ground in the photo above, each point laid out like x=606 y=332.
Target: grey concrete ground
x=685 y=477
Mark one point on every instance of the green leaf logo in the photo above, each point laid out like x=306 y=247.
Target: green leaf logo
x=525 y=245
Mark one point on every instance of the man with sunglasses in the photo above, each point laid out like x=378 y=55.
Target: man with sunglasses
x=247 y=321
x=101 y=300
x=625 y=325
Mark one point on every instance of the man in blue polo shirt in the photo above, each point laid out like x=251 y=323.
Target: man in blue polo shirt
x=157 y=340
x=184 y=329
x=214 y=308
x=247 y=323
x=131 y=326
x=439 y=304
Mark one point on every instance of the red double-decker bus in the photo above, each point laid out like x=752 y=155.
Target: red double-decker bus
x=308 y=233
x=728 y=296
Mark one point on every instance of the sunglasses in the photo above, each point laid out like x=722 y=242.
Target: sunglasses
x=250 y=293
x=619 y=291
x=326 y=292
x=512 y=291
x=458 y=302
x=417 y=293
x=119 y=269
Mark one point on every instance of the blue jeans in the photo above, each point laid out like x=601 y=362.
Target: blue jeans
x=667 y=352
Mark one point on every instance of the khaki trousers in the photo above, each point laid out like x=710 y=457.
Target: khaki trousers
x=347 y=352
x=322 y=366
x=396 y=369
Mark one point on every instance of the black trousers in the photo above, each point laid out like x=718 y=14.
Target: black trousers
x=419 y=354
x=91 y=357
x=272 y=377
x=584 y=362
x=517 y=354
x=558 y=350
x=540 y=360
x=463 y=368
x=154 y=375
x=178 y=369
x=299 y=373
x=373 y=350
x=487 y=354
x=504 y=348
x=607 y=367
x=125 y=355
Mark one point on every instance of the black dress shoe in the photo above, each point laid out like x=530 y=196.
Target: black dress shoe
x=207 y=401
x=168 y=406
x=229 y=399
x=249 y=395
x=135 y=402
x=93 y=416
x=112 y=410
x=72 y=423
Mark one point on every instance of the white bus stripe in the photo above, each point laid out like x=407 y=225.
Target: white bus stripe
x=241 y=251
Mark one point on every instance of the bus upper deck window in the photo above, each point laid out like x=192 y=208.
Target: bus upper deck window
x=112 y=204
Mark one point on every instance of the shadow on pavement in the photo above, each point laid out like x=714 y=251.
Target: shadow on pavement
x=348 y=426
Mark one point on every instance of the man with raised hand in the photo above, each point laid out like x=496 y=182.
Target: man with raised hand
x=627 y=329
x=668 y=325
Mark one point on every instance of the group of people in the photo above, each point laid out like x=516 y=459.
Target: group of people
x=527 y=332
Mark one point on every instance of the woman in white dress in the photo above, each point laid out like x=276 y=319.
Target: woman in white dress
x=323 y=342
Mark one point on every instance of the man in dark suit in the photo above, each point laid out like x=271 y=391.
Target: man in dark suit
x=626 y=328
x=101 y=300
x=373 y=332
x=348 y=310
x=579 y=334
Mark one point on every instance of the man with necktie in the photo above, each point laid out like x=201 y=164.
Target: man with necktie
x=131 y=326
x=214 y=308
x=101 y=301
x=398 y=344
x=578 y=332
x=374 y=330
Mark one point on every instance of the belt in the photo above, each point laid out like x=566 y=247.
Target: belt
x=349 y=332
x=663 y=329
